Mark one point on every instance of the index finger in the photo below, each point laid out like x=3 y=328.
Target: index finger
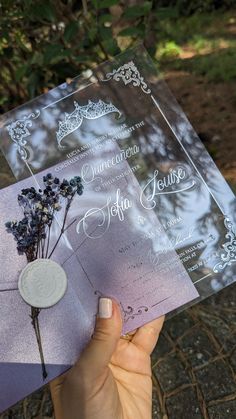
x=147 y=335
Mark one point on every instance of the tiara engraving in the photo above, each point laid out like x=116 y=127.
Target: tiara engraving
x=72 y=121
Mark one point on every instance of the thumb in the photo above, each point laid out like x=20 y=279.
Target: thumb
x=97 y=355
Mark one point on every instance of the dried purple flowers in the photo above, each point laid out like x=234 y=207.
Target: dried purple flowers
x=32 y=233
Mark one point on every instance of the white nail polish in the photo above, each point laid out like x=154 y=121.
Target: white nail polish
x=105 y=308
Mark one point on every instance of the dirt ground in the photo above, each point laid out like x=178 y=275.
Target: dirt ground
x=211 y=110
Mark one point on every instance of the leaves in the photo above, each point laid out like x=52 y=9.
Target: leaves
x=105 y=18
x=32 y=83
x=42 y=11
x=55 y=53
x=167 y=13
x=111 y=46
x=21 y=71
x=138 y=11
x=133 y=31
x=43 y=42
x=103 y=4
x=71 y=31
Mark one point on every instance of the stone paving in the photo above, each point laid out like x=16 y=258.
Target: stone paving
x=194 y=363
x=194 y=366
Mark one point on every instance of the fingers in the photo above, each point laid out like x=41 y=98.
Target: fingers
x=96 y=356
x=130 y=333
x=146 y=336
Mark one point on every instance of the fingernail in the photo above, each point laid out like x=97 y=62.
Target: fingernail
x=105 y=308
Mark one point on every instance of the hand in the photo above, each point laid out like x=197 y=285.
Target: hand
x=112 y=378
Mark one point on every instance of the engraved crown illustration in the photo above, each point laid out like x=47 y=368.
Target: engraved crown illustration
x=72 y=121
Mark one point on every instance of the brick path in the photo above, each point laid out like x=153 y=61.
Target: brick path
x=194 y=366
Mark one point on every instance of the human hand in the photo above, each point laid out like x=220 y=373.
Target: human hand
x=112 y=378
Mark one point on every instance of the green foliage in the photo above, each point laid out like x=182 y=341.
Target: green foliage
x=102 y=4
x=217 y=67
x=70 y=31
x=44 y=42
x=43 y=11
x=207 y=40
x=189 y=7
x=138 y=11
x=169 y=50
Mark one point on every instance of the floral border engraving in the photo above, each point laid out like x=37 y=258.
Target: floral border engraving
x=128 y=73
x=97 y=292
x=229 y=254
x=131 y=313
x=18 y=131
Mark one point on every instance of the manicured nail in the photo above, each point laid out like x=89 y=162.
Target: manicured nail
x=105 y=308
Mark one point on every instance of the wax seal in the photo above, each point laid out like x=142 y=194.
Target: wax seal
x=42 y=283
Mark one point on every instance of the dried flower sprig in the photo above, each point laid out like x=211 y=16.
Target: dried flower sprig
x=33 y=232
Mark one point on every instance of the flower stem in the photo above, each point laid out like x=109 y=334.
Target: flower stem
x=35 y=322
x=48 y=240
x=62 y=229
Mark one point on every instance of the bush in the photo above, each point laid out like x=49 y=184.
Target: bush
x=43 y=42
x=189 y=7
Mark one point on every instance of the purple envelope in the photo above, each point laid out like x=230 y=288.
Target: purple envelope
x=121 y=259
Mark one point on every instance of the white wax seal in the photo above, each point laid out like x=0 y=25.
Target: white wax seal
x=42 y=283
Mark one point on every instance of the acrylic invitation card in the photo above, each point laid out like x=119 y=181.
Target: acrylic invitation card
x=153 y=228
x=125 y=101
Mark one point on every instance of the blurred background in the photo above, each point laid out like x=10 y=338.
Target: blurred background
x=193 y=43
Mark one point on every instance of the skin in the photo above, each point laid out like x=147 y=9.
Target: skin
x=112 y=378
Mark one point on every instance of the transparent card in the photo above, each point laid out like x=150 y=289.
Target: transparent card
x=155 y=225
